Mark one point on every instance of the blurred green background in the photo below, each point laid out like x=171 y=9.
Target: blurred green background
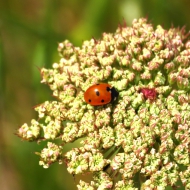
x=29 y=34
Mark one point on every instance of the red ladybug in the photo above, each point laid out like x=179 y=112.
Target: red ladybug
x=100 y=94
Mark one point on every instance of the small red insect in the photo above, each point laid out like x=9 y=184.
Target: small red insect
x=149 y=93
x=100 y=94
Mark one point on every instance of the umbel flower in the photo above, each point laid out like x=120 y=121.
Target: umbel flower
x=141 y=140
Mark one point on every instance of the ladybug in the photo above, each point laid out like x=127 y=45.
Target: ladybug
x=100 y=94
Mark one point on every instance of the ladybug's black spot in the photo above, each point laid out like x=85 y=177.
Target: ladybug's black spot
x=108 y=89
x=89 y=100
x=97 y=93
x=102 y=101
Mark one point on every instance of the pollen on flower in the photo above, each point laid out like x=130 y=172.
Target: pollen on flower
x=144 y=133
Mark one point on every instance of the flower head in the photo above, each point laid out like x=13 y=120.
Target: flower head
x=145 y=133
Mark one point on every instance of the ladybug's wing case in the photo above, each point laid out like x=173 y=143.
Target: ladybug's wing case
x=98 y=94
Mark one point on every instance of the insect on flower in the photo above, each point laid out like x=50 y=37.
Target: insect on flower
x=100 y=94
